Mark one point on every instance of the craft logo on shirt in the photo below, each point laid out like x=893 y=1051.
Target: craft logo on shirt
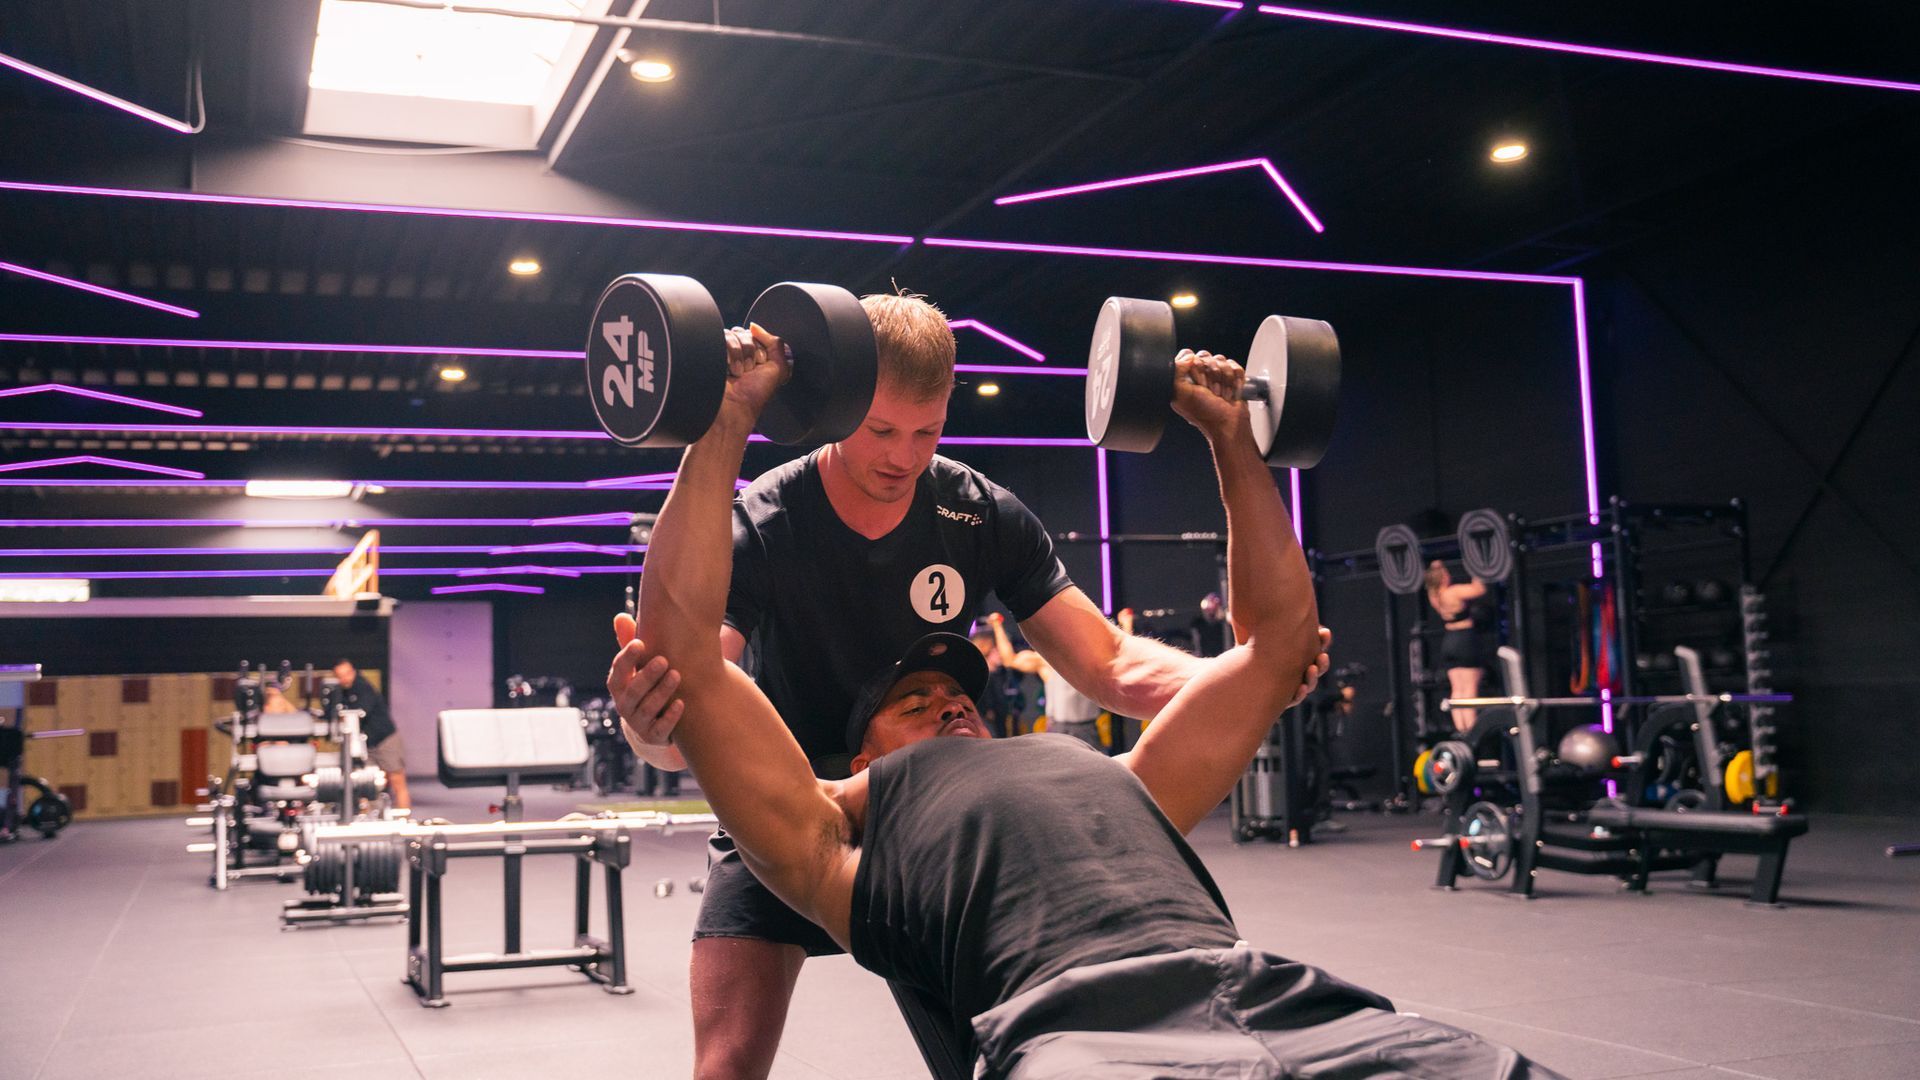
x=939 y=594
x=960 y=516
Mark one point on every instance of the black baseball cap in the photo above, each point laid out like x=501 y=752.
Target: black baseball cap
x=948 y=653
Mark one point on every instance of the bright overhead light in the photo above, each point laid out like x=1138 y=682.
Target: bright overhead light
x=524 y=267
x=299 y=489
x=44 y=590
x=1507 y=153
x=653 y=71
x=451 y=373
x=987 y=389
x=411 y=52
x=1183 y=300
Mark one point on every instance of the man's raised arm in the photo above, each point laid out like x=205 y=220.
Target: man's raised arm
x=1201 y=743
x=793 y=836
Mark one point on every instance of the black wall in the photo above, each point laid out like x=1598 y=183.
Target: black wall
x=1766 y=349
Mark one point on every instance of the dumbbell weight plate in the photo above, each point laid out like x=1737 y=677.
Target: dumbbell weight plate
x=1299 y=359
x=656 y=360
x=1130 y=373
x=835 y=362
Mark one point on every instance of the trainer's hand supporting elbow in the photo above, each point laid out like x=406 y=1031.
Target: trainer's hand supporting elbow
x=641 y=687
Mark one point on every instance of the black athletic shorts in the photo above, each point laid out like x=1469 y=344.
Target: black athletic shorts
x=737 y=905
x=1214 y=1013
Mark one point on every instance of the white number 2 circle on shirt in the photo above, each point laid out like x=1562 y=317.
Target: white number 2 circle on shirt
x=939 y=593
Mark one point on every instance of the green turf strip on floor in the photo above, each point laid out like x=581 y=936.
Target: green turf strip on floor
x=664 y=806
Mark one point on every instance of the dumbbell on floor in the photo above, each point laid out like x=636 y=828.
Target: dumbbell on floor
x=657 y=361
x=1292 y=385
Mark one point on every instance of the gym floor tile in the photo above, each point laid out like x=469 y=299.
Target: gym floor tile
x=1578 y=1057
x=1709 y=1025
x=670 y=1054
x=90 y=1051
x=1846 y=1063
x=1471 y=979
x=1886 y=993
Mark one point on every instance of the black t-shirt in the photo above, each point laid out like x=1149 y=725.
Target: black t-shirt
x=990 y=866
x=826 y=608
x=377 y=724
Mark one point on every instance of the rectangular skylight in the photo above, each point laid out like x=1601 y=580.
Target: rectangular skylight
x=382 y=71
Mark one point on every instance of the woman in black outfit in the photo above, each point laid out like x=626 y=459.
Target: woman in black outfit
x=1465 y=611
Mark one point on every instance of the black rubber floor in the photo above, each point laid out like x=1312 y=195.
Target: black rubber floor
x=118 y=961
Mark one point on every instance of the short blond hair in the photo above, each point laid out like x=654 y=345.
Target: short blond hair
x=916 y=346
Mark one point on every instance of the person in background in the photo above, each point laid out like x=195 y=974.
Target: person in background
x=1004 y=699
x=1465 y=653
x=1069 y=712
x=384 y=747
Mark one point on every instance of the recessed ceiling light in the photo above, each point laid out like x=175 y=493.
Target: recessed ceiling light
x=524 y=267
x=299 y=489
x=987 y=389
x=1506 y=153
x=451 y=373
x=652 y=70
x=1183 y=300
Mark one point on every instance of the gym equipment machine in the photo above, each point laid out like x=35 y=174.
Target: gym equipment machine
x=1528 y=809
x=50 y=811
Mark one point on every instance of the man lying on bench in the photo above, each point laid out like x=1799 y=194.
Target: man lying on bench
x=1038 y=889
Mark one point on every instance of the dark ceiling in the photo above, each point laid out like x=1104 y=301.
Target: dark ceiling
x=872 y=116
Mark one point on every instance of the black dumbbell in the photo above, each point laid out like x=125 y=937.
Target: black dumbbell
x=1292 y=384
x=657 y=361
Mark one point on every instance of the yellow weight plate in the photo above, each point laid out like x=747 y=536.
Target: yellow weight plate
x=1420 y=772
x=1739 y=778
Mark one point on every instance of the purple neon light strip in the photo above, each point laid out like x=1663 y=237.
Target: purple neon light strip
x=1585 y=50
x=565 y=546
x=1577 y=284
x=402 y=350
x=100 y=96
x=101 y=395
x=1106 y=549
x=1245 y=260
x=1586 y=418
x=210 y=430
x=627 y=481
x=458 y=212
x=522 y=571
x=491 y=586
x=327 y=549
x=1230 y=5
x=1265 y=165
x=93 y=459
x=1293 y=486
x=97 y=290
x=1009 y=341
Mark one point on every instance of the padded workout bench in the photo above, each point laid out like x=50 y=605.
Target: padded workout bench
x=1721 y=832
